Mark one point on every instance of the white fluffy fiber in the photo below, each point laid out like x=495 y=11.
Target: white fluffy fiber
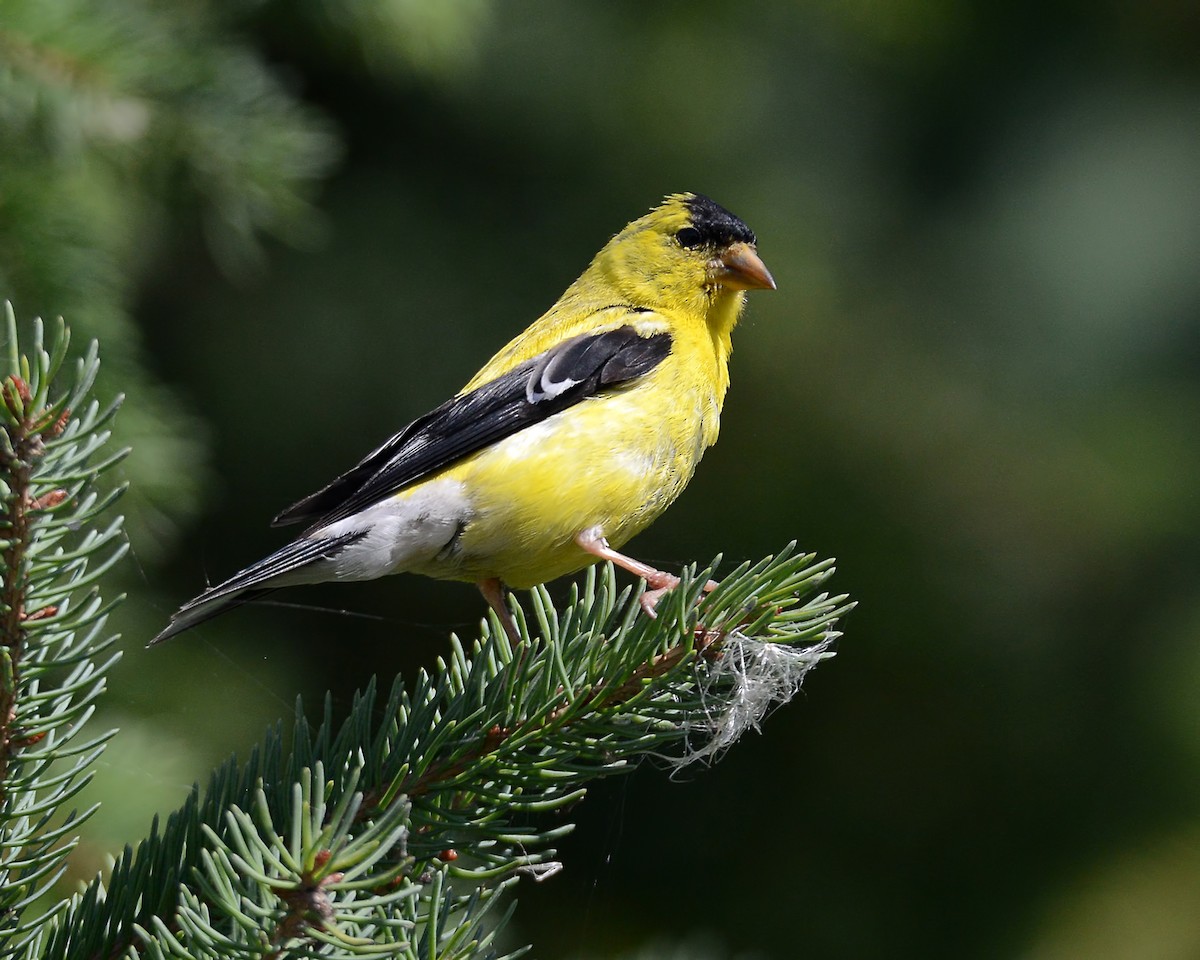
x=763 y=675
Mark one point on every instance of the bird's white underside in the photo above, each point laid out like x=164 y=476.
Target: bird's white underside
x=404 y=532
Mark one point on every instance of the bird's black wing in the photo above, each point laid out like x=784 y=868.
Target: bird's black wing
x=582 y=367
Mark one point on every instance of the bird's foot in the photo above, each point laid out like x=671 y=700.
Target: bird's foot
x=493 y=591
x=658 y=581
x=649 y=599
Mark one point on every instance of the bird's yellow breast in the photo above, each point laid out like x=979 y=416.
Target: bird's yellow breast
x=616 y=460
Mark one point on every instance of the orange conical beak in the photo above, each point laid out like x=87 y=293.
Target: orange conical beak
x=739 y=267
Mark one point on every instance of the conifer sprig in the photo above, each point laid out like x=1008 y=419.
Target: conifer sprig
x=396 y=829
x=54 y=545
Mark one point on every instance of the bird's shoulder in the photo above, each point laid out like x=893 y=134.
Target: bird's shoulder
x=567 y=322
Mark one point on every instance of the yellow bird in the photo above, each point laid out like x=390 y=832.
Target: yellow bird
x=570 y=440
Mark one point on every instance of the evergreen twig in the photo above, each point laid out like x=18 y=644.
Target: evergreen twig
x=438 y=797
x=53 y=652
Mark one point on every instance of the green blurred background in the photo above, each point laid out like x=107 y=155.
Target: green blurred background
x=296 y=225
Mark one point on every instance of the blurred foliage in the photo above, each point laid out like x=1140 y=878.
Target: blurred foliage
x=978 y=385
x=120 y=119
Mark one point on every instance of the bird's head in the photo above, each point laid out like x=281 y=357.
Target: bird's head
x=687 y=254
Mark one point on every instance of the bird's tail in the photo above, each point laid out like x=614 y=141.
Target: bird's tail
x=280 y=569
x=207 y=605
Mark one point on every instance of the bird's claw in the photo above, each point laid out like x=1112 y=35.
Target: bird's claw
x=663 y=583
x=649 y=600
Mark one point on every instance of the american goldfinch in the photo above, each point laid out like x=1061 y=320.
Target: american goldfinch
x=570 y=440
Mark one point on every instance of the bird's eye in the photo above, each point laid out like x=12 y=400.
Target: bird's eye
x=688 y=237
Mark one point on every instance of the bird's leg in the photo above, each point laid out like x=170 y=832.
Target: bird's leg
x=659 y=581
x=493 y=592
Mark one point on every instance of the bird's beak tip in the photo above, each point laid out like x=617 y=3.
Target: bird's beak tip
x=744 y=269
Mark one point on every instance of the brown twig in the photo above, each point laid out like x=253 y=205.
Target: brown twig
x=25 y=428
x=16 y=462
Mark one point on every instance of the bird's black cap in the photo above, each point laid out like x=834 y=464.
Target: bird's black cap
x=715 y=224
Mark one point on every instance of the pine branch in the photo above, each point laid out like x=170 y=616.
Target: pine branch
x=51 y=618
x=397 y=830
